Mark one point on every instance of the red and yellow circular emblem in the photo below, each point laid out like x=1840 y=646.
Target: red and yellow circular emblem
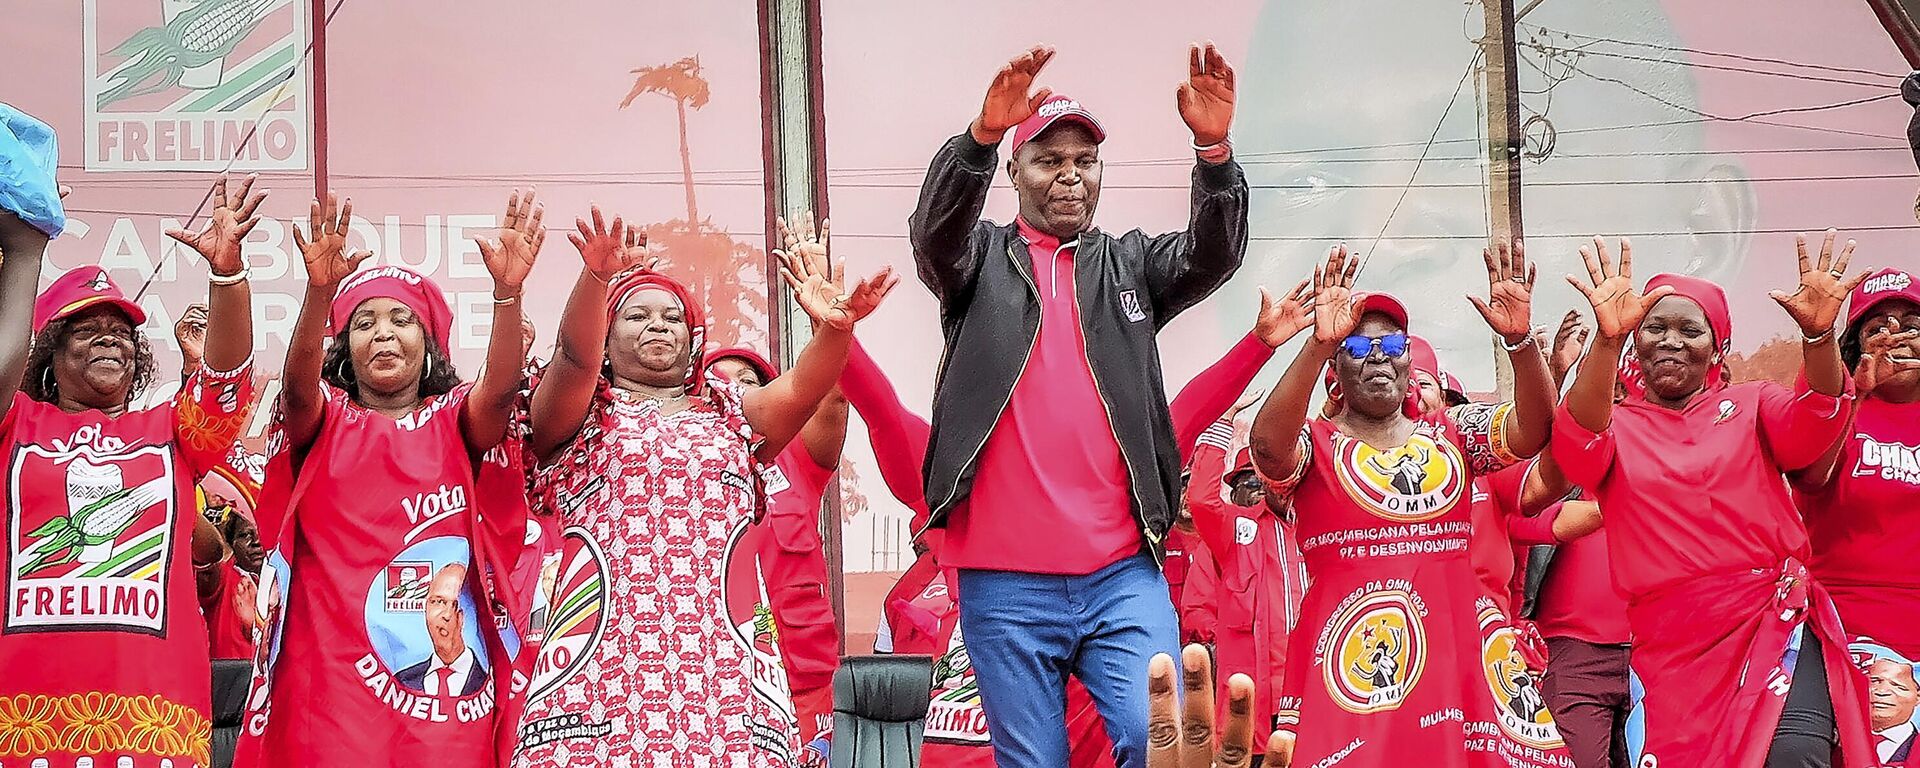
x=1378 y=652
x=1415 y=482
x=1519 y=705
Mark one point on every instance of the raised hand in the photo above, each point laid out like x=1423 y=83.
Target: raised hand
x=635 y=251
x=1882 y=356
x=232 y=219
x=246 y=609
x=1617 y=307
x=1183 y=734
x=607 y=250
x=1577 y=518
x=1568 y=342
x=1206 y=97
x=509 y=256
x=1815 y=304
x=324 y=245
x=1246 y=401
x=817 y=282
x=1508 y=308
x=191 y=333
x=1335 y=305
x=1280 y=319
x=1008 y=101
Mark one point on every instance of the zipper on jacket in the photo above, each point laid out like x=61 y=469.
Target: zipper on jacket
x=1001 y=411
x=1139 y=510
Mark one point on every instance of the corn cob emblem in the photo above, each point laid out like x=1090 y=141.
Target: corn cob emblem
x=763 y=628
x=101 y=522
x=158 y=56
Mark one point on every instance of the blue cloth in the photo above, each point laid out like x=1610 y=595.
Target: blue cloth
x=1636 y=726
x=29 y=156
x=1026 y=632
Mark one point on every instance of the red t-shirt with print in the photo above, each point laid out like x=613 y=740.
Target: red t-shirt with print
x=101 y=638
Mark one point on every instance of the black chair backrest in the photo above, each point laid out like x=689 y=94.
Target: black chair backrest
x=230 y=680
x=880 y=710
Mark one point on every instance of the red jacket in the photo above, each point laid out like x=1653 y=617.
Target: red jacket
x=1199 y=604
x=1262 y=580
x=793 y=562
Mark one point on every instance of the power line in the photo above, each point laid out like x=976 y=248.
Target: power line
x=1721 y=54
x=1752 y=117
x=1809 y=230
x=704 y=178
x=1297 y=187
x=1408 y=187
x=251 y=130
x=1729 y=68
x=1244 y=158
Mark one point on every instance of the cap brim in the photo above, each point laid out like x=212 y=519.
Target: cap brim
x=1386 y=305
x=1099 y=134
x=132 y=310
x=1860 y=309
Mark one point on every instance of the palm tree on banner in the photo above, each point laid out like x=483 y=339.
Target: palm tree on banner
x=680 y=81
x=727 y=275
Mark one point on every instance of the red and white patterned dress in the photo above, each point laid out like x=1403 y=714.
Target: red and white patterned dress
x=653 y=656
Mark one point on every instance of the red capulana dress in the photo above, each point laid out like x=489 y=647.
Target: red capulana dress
x=658 y=652
x=103 y=652
x=1710 y=552
x=380 y=644
x=1387 y=661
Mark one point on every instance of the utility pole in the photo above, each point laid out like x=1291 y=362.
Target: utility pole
x=1500 y=86
x=794 y=156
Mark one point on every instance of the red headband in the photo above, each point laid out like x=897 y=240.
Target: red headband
x=759 y=364
x=1712 y=301
x=628 y=283
x=403 y=285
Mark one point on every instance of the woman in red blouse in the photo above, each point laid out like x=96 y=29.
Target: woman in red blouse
x=1862 y=499
x=102 y=641
x=1739 y=649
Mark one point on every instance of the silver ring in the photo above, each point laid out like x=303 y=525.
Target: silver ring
x=1837 y=274
x=1517 y=279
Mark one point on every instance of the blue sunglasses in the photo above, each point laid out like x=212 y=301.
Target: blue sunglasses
x=1359 y=347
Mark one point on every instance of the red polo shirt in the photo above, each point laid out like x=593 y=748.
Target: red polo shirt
x=1050 y=494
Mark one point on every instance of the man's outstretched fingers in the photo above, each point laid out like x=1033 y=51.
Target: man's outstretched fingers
x=1196 y=717
x=1236 y=740
x=1163 y=716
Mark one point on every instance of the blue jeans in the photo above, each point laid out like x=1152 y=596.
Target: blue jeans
x=1025 y=632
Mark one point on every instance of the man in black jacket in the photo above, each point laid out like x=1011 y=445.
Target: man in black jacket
x=1052 y=463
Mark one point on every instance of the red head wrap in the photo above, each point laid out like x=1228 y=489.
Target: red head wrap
x=403 y=285
x=628 y=283
x=1712 y=301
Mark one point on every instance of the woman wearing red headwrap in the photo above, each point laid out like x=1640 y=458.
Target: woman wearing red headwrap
x=1862 y=499
x=1383 y=665
x=1740 y=650
x=656 y=468
x=102 y=642
x=789 y=551
x=386 y=646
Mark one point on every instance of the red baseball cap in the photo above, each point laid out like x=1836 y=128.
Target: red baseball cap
x=77 y=290
x=1426 y=359
x=1384 y=304
x=1885 y=285
x=1053 y=111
